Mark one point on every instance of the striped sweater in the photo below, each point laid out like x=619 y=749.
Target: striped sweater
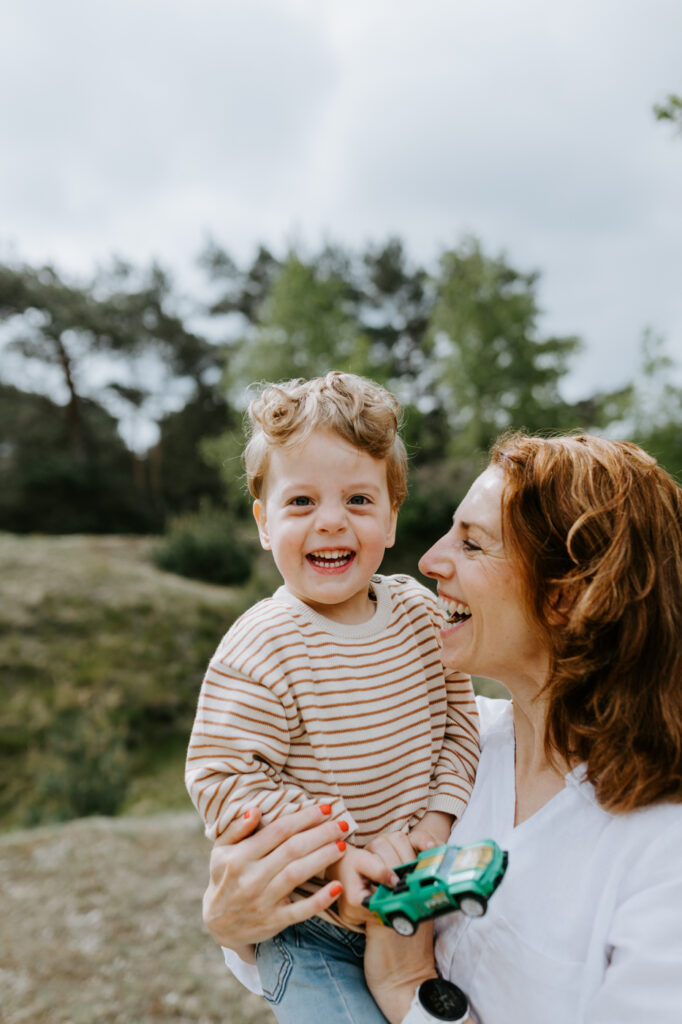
x=296 y=709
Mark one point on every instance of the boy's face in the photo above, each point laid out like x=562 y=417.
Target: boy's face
x=327 y=518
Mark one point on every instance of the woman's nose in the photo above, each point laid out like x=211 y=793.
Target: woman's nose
x=436 y=561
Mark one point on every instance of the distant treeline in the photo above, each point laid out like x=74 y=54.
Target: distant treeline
x=459 y=342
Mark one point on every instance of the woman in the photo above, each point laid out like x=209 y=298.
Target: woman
x=567 y=553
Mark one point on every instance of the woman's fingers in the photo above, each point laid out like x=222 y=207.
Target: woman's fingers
x=243 y=850
x=272 y=836
x=301 y=910
x=295 y=836
x=240 y=828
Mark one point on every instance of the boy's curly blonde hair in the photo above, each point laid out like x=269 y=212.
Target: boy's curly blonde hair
x=361 y=412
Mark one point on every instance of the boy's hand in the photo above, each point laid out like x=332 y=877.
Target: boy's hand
x=355 y=870
x=433 y=830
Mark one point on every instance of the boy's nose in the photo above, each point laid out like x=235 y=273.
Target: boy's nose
x=331 y=518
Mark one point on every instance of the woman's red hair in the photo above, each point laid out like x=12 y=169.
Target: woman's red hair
x=596 y=527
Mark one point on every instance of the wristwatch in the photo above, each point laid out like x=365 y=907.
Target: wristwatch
x=437 y=1000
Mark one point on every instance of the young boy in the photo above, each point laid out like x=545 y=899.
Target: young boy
x=332 y=691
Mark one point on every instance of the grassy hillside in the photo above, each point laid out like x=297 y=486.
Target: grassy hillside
x=101 y=657
x=101 y=925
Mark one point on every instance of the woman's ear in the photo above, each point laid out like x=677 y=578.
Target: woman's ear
x=559 y=605
x=261 y=522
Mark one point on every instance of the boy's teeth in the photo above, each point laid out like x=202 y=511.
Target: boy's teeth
x=454 y=611
x=336 y=557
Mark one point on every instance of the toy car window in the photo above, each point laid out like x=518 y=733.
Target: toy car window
x=446 y=864
x=473 y=857
x=431 y=861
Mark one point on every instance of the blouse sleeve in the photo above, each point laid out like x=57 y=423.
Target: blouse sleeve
x=247 y=974
x=643 y=977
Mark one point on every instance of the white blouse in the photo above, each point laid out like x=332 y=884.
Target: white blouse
x=586 y=927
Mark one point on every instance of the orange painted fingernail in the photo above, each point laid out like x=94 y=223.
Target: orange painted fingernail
x=325 y=808
x=247 y=814
x=335 y=890
x=341 y=845
x=343 y=825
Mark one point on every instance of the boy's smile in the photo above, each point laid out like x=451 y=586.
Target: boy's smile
x=330 y=561
x=327 y=517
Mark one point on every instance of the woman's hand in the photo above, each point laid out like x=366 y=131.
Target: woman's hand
x=252 y=875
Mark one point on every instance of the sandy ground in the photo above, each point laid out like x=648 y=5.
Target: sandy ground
x=101 y=924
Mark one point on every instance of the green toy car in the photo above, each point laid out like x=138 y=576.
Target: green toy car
x=440 y=880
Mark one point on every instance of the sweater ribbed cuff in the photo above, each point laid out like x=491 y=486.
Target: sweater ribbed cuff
x=448 y=804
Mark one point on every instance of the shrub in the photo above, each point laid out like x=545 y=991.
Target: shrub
x=204 y=546
x=82 y=769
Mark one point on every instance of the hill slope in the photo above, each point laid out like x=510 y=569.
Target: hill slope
x=101 y=657
x=101 y=924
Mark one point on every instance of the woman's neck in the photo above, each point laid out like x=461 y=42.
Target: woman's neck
x=537 y=777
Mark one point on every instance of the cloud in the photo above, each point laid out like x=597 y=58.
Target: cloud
x=140 y=127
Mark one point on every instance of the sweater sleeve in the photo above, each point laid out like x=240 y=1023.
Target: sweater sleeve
x=239 y=746
x=453 y=776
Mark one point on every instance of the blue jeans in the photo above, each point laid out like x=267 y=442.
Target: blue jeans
x=312 y=973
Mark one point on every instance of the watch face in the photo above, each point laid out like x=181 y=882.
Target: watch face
x=443 y=1000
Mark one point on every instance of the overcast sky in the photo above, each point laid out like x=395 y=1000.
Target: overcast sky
x=140 y=127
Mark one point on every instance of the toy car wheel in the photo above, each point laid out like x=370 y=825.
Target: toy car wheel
x=473 y=905
x=402 y=924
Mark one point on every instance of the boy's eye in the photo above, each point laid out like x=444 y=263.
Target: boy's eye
x=358 y=499
x=301 y=500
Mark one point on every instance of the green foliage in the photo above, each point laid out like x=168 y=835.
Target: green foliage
x=183 y=473
x=204 y=546
x=670 y=111
x=460 y=346
x=656 y=405
x=435 y=489
x=62 y=324
x=490 y=365
x=83 y=768
x=47 y=487
x=224 y=453
x=101 y=659
x=302 y=330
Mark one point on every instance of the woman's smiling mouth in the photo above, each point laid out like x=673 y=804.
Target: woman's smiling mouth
x=454 y=611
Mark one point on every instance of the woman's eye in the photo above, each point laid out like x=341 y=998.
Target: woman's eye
x=359 y=499
x=469 y=545
x=301 y=501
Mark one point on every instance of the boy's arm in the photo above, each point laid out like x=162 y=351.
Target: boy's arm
x=453 y=776
x=238 y=747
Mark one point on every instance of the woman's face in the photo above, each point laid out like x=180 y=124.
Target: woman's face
x=489 y=631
